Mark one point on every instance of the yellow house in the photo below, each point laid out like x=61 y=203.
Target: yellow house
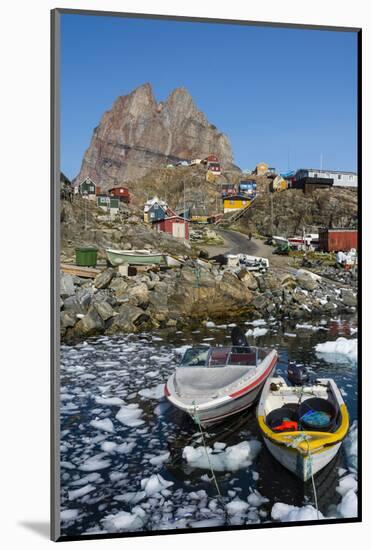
x=261 y=168
x=234 y=203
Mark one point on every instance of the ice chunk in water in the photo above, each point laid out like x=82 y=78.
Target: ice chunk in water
x=95 y=463
x=256 y=332
x=288 y=512
x=69 y=515
x=129 y=415
x=256 y=499
x=346 y=484
x=351 y=446
x=125 y=521
x=348 y=507
x=341 y=346
x=77 y=493
x=105 y=425
x=155 y=484
x=232 y=459
x=108 y=446
x=159 y=460
x=109 y=401
x=153 y=393
x=236 y=506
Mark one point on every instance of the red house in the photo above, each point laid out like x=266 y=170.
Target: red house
x=121 y=193
x=174 y=225
x=331 y=240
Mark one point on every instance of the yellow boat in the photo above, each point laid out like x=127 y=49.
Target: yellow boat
x=302 y=448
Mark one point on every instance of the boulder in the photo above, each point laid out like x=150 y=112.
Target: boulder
x=67 y=287
x=307 y=280
x=348 y=297
x=67 y=319
x=103 y=279
x=90 y=325
x=138 y=294
x=248 y=279
x=105 y=310
x=129 y=319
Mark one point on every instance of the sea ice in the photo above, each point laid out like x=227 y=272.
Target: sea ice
x=108 y=446
x=341 y=346
x=256 y=499
x=287 y=512
x=231 y=459
x=349 y=505
x=256 y=332
x=159 y=460
x=69 y=515
x=109 y=401
x=346 y=484
x=156 y=392
x=154 y=484
x=77 y=493
x=129 y=415
x=237 y=506
x=95 y=463
x=105 y=425
x=125 y=521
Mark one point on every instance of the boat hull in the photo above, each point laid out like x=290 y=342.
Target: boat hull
x=302 y=465
x=119 y=258
x=215 y=411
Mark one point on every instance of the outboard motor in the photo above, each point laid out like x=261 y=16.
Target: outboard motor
x=297 y=373
x=238 y=337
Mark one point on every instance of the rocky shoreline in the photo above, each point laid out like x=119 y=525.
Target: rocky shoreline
x=114 y=304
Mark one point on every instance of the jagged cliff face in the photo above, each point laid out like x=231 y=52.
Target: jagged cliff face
x=139 y=134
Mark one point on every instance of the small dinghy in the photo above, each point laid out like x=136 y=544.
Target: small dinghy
x=303 y=427
x=213 y=383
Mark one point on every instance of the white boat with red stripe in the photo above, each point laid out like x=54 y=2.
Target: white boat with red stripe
x=214 y=383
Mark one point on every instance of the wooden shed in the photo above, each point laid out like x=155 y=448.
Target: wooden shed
x=236 y=202
x=331 y=240
x=88 y=189
x=174 y=225
x=121 y=193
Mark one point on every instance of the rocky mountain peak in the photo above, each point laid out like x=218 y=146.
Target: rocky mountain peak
x=138 y=134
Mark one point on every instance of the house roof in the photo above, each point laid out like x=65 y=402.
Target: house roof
x=323 y=171
x=170 y=218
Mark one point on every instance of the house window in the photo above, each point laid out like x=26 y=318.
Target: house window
x=91 y=188
x=316 y=175
x=339 y=176
x=350 y=177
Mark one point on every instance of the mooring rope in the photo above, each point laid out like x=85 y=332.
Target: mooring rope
x=196 y=419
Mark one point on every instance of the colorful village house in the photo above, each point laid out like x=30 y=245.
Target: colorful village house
x=173 y=225
x=261 y=169
x=247 y=187
x=234 y=203
x=308 y=180
x=228 y=189
x=121 y=193
x=155 y=209
x=88 y=189
x=199 y=214
x=278 y=184
x=109 y=204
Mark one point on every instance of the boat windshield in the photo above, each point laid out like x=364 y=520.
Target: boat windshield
x=204 y=356
x=195 y=357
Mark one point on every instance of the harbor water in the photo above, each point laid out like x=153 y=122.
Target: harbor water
x=124 y=467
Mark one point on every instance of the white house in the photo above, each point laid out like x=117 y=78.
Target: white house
x=341 y=179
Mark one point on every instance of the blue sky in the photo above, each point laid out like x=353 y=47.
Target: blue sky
x=283 y=96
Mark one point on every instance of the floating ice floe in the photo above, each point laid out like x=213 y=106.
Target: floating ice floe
x=109 y=401
x=287 y=512
x=256 y=499
x=153 y=393
x=255 y=332
x=237 y=506
x=125 y=521
x=346 y=484
x=348 y=507
x=160 y=459
x=333 y=351
x=87 y=479
x=95 y=463
x=290 y=334
x=231 y=459
x=105 y=425
x=154 y=484
x=108 y=446
x=77 y=493
x=129 y=415
x=125 y=448
x=69 y=515
x=307 y=326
